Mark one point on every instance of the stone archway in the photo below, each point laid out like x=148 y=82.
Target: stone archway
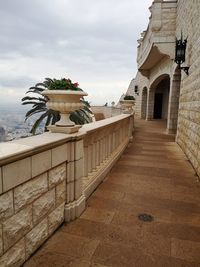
x=158 y=98
x=144 y=103
x=174 y=102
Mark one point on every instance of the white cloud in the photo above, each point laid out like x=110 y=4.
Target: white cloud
x=93 y=42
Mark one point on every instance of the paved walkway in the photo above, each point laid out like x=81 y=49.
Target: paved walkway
x=152 y=177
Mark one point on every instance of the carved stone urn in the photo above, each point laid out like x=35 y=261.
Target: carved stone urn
x=65 y=102
x=127 y=106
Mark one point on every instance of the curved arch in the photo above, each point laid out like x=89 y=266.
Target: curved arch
x=158 y=97
x=144 y=103
x=157 y=80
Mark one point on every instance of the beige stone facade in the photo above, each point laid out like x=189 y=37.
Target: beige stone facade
x=165 y=91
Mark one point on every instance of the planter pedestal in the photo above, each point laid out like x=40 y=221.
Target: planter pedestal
x=64 y=129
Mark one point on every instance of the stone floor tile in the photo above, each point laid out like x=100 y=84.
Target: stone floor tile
x=71 y=245
x=186 y=194
x=119 y=255
x=129 y=217
x=186 y=218
x=51 y=259
x=107 y=185
x=100 y=215
x=186 y=250
x=109 y=204
x=109 y=194
x=85 y=228
x=45 y=258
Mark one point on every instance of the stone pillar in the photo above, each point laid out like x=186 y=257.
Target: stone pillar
x=75 y=201
x=150 y=105
x=131 y=128
x=144 y=103
x=174 y=103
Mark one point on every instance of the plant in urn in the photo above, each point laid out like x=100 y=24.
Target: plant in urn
x=65 y=97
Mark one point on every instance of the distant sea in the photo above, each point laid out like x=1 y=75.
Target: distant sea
x=13 y=108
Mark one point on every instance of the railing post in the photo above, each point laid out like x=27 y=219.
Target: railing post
x=75 y=200
x=131 y=128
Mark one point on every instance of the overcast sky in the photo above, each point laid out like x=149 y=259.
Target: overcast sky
x=93 y=42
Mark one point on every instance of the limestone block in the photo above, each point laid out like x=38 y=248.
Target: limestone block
x=85 y=161
x=15 y=256
x=57 y=175
x=78 y=150
x=17 y=226
x=43 y=205
x=67 y=193
x=70 y=172
x=71 y=151
x=1 y=240
x=71 y=191
x=41 y=162
x=28 y=192
x=79 y=168
x=60 y=193
x=6 y=205
x=59 y=154
x=1 y=187
x=36 y=237
x=78 y=188
x=16 y=173
x=56 y=218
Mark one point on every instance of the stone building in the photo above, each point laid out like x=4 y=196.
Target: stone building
x=165 y=90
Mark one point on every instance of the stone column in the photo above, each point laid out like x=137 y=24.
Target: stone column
x=150 y=105
x=131 y=128
x=174 y=103
x=75 y=203
x=144 y=103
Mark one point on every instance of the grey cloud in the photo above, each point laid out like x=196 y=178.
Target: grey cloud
x=16 y=82
x=94 y=40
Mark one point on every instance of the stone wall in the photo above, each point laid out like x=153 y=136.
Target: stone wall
x=32 y=198
x=44 y=181
x=188 y=136
x=169 y=19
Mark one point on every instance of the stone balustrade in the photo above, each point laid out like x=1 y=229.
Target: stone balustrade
x=45 y=180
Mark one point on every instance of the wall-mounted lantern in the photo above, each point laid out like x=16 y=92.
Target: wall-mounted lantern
x=136 y=90
x=180 y=54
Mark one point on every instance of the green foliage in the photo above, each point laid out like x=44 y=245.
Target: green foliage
x=56 y=84
x=129 y=97
x=63 y=84
x=38 y=101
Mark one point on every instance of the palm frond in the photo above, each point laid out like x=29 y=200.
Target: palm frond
x=33 y=98
x=38 y=121
x=37 y=88
x=32 y=102
x=33 y=112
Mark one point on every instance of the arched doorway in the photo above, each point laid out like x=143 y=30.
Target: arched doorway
x=161 y=99
x=144 y=103
x=158 y=98
x=174 y=102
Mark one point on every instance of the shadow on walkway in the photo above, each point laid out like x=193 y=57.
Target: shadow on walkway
x=153 y=177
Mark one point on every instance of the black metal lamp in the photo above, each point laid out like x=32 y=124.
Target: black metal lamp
x=180 y=54
x=136 y=90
